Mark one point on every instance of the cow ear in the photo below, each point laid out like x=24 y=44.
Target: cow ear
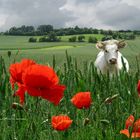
x=100 y=45
x=121 y=44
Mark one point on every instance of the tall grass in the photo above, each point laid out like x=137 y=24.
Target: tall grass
x=102 y=121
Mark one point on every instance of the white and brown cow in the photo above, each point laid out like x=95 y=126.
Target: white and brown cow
x=110 y=60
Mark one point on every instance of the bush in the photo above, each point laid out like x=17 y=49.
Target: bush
x=72 y=39
x=43 y=39
x=81 y=38
x=106 y=38
x=52 y=37
x=31 y=39
x=92 y=39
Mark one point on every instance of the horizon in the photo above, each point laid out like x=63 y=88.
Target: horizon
x=98 y=14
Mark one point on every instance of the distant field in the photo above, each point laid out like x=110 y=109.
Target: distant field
x=21 y=42
x=43 y=52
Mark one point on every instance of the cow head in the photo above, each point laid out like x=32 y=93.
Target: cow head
x=111 y=48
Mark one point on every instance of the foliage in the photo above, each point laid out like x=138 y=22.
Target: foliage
x=46 y=29
x=32 y=39
x=43 y=29
x=50 y=38
x=81 y=38
x=92 y=39
x=72 y=39
x=43 y=39
x=103 y=120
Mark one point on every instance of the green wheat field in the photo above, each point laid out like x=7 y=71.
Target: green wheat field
x=74 y=65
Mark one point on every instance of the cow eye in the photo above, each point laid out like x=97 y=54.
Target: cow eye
x=117 y=50
x=106 y=51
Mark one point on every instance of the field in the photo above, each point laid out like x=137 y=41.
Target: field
x=43 y=52
x=75 y=69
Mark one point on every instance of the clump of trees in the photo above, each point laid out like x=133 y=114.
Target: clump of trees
x=92 y=39
x=125 y=36
x=81 y=38
x=52 y=33
x=32 y=39
x=73 y=39
x=50 y=38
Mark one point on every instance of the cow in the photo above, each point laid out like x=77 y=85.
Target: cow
x=110 y=60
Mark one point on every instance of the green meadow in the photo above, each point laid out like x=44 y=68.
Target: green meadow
x=74 y=65
x=44 y=52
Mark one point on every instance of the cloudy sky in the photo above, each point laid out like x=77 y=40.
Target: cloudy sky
x=105 y=14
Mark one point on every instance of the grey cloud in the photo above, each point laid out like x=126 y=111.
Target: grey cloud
x=122 y=16
x=107 y=14
x=34 y=12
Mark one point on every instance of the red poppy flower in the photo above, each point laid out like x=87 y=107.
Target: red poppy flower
x=21 y=93
x=17 y=69
x=16 y=72
x=41 y=80
x=129 y=122
x=82 y=100
x=135 y=130
x=138 y=88
x=61 y=122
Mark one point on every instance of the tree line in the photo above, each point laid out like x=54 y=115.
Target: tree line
x=46 y=29
x=53 y=38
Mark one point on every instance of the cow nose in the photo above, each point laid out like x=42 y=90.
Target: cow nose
x=113 y=61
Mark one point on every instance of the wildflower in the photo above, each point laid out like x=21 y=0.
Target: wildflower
x=16 y=72
x=138 y=88
x=21 y=93
x=135 y=127
x=17 y=69
x=82 y=100
x=61 y=122
x=40 y=80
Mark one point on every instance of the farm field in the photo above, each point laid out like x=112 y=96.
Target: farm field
x=74 y=65
x=44 y=52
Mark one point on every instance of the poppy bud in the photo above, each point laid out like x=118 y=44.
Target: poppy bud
x=17 y=106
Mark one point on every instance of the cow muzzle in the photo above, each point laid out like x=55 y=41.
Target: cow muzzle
x=113 y=61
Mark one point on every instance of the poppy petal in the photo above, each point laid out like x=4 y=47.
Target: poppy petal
x=61 y=122
x=16 y=70
x=40 y=76
x=135 y=135
x=54 y=94
x=82 y=100
x=21 y=93
x=125 y=132
x=136 y=127
x=129 y=122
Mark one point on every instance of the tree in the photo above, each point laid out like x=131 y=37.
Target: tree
x=43 y=39
x=95 y=31
x=45 y=28
x=72 y=39
x=52 y=37
x=106 y=38
x=92 y=39
x=31 y=39
x=81 y=38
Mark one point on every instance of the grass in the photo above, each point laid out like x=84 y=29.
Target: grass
x=105 y=119
x=81 y=51
x=21 y=42
x=77 y=72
